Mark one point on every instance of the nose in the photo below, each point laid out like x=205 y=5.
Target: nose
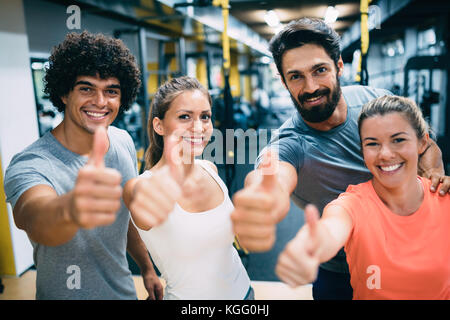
x=310 y=85
x=198 y=126
x=385 y=153
x=100 y=99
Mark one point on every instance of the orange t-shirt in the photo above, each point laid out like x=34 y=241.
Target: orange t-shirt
x=397 y=257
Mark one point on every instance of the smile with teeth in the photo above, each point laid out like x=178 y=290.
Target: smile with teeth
x=314 y=99
x=97 y=115
x=193 y=140
x=390 y=168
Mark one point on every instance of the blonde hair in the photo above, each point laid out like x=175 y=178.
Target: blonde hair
x=389 y=104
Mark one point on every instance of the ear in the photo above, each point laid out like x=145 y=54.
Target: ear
x=158 y=126
x=64 y=99
x=340 y=65
x=424 y=143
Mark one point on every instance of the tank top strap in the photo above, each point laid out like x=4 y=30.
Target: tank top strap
x=213 y=174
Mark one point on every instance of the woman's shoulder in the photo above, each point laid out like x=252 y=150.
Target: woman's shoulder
x=355 y=196
x=209 y=164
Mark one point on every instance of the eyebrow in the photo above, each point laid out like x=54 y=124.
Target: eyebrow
x=189 y=111
x=316 y=66
x=87 y=83
x=392 y=136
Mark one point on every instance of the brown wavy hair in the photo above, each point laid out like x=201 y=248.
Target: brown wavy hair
x=87 y=54
x=161 y=102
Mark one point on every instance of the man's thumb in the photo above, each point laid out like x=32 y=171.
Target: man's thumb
x=99 y=147
x=311 y=219
x=268 y=168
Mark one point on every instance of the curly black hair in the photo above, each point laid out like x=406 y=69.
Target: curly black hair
x=87 y=54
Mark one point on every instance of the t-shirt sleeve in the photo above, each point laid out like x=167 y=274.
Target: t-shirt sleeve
x=289 y=150
x=23 y=173
x=133 y=153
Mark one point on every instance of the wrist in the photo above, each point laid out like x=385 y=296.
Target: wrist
x=67 y=215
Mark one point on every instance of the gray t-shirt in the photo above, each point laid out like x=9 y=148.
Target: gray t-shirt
x=326 y=161
x=93 y=265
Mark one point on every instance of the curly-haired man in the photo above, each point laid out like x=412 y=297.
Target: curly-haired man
x=66 y=188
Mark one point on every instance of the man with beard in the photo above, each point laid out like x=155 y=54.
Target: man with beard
x=318 y=148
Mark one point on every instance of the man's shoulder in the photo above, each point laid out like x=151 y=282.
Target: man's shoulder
x=118 y=133
x=357 y=95
x=39 y=149
x=120 y=137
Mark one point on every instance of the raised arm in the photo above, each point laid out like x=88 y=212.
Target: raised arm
x=316 y=242
x=263 y=202
x=52 y=219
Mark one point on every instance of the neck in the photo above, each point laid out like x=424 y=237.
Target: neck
x=188 y=164
x=337 y=118
x=76 y=140
x=403 y=200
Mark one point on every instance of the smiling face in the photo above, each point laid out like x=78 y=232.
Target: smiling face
x=189 y=119
x=391 y=149
x=312 y=79
x=91 y=103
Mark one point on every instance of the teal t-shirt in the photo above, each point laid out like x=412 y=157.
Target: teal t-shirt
x=93 y=265
x=326 y=161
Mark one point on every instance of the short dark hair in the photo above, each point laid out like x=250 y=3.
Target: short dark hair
x=87 y=54
x=303 y=31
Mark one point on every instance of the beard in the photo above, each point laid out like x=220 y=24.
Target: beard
x=321 y=112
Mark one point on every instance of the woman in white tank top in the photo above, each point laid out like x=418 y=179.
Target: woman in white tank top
x=180 y=205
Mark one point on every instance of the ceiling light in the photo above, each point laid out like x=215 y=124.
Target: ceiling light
x=271 y=18
x=265 y=59
x=331 y=15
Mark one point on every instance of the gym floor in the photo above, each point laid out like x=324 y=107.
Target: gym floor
x=24 y=288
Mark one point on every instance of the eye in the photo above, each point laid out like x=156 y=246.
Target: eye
x=206 y=116
x=398 y=140
x=321 y=70
x=85 y=89
x=112 y=92
x=294 y=77
x=183 y=117
x=371 y=144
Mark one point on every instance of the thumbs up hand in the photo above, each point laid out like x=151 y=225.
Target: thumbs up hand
x=154 y=197
x=96 y=196
x=299 y=262
x=257 y=206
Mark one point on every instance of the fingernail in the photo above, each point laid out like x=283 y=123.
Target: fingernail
x=441 y=192
x=433 y=189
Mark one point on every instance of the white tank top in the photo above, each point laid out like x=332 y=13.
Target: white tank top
x=194 y=252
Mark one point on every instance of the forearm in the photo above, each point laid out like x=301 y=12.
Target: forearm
x=330 y=245
x=46 y=220
x=138 y=251
x=324 y=245
x=431 y=161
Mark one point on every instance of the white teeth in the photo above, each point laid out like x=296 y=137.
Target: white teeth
x=95 y=114
x=194 y=140
x=390 y=168
x=313 y=99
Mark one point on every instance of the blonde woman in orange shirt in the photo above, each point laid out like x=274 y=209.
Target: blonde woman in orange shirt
x=396 y=233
